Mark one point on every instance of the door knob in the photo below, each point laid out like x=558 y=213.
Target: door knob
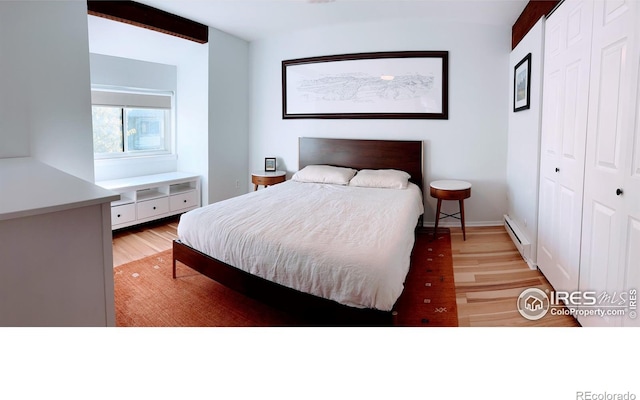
x=619 y=192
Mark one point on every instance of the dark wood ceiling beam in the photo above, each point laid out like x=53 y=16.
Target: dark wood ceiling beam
x=148 y=17
x=531 y=14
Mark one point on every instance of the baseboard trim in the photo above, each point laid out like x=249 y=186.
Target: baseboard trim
x=456 y=224
x=520 y=240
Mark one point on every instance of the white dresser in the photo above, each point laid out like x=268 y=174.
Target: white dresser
x=151 y=197
x=56 y=262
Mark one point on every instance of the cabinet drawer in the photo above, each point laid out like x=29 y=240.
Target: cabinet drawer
x=123 y=214
x=183 y=200
x=151 y=208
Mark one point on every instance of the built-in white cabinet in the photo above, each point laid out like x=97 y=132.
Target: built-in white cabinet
x=56 y=263
x=589 y=216
x=151 y=197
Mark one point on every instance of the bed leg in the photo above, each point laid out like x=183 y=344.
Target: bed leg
x=174 y=268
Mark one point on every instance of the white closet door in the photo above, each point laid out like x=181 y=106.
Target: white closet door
x=631 y=186
x=611 y=225
x=563 y=141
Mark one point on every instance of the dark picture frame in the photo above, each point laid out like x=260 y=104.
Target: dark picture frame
x=379 y=85
x=269 y=164
x=522 y=84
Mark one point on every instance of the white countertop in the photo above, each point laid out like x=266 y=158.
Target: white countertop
x=29 y=187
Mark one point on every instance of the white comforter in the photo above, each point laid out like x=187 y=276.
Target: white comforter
x=347 y=244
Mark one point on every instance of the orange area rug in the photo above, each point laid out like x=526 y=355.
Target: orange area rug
x=147 y=296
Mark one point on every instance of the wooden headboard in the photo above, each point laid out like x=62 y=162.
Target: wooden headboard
x=405 y=155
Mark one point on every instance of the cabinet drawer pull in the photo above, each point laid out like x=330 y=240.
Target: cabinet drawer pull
x=154 y=207
x=118 y=215
x=619 y=192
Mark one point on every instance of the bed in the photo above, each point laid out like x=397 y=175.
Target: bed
x=288 y=245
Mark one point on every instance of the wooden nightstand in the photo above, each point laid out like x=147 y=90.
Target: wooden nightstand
x=267 y=178
x=450 y=190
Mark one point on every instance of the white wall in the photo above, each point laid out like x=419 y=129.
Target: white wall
x=45 y=106
x=133 y=74
x=470 y=145
x=523 y=150
x=228 y=115
x=14 y=132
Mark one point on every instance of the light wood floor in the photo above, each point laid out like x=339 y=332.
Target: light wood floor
x=490 y=274
x=141 y=241
x=488 y=270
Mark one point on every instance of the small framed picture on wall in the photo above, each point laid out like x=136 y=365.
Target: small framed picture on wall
x=522 y=84
x=270 y=164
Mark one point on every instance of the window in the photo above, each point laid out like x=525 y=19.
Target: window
x=129 y=123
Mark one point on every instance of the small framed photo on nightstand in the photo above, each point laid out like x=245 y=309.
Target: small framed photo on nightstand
x=270 y=164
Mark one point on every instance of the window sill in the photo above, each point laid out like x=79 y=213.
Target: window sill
x=134 y=159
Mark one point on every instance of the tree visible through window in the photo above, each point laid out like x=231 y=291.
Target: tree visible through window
x=107 y=130
x=122 y=130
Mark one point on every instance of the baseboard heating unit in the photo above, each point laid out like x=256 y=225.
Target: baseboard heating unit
x=519 y=239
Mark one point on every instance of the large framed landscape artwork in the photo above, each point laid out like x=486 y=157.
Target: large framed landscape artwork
x=407 y=84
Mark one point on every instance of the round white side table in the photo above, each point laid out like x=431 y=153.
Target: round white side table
x=450 y=190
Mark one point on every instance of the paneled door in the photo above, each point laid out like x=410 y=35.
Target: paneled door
x=611 y=224
x=563 y=141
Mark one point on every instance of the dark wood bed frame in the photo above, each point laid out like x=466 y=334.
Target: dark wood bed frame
x=353 y=153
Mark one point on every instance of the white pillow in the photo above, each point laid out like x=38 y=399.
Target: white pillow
x=324 y=174
x=381 y=178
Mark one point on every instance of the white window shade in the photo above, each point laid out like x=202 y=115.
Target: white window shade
x=132 y=100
